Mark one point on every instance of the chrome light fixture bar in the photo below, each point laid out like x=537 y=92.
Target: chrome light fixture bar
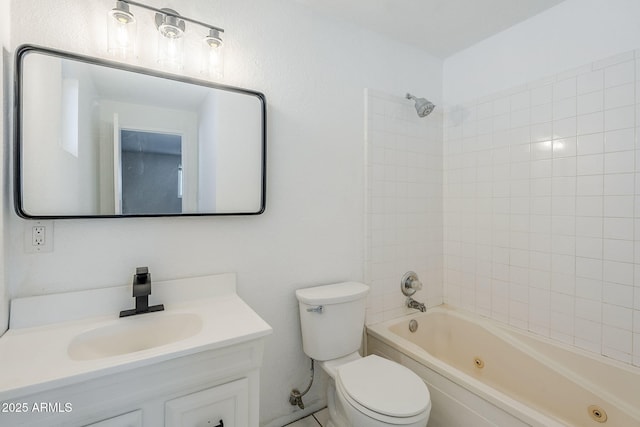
x=171 y=28
x=174 y=14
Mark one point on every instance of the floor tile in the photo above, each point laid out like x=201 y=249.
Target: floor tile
x=322 y=416
x=305 y=422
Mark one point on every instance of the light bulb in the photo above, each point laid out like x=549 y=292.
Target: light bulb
x=213 y=54
x=121 y=29
x=170 y=39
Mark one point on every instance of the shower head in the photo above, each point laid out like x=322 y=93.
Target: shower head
x=423 y=106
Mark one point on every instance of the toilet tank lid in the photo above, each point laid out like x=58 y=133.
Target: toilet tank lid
x=332 y=294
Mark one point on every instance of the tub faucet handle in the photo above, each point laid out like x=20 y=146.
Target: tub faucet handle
x=414 y=283
x=410 y=283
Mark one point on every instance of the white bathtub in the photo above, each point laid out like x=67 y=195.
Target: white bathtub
x=482 y=373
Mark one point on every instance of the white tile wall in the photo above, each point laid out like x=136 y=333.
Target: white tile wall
x=542 y=207
x=403 y=203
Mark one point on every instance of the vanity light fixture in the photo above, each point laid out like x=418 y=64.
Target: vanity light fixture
x=121 y=29
x=170 y=38
x=212 y=54
x=171 y=30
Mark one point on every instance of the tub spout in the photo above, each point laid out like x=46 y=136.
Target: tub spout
x=411 y=303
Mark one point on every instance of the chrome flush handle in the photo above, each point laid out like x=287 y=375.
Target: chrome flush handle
x=317 y=309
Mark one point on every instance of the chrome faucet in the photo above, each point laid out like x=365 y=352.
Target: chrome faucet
x=411 y=303
x=141 y=291
x=409 y=285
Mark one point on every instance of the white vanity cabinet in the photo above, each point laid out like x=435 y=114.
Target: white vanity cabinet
x=193 y=391
x=225 y=405
x=131 y=419
x=194 y=380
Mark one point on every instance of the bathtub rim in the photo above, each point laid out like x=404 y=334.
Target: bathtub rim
x=390 y=351
x=382 y=332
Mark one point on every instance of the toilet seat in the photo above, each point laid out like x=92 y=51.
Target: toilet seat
x=383 y=390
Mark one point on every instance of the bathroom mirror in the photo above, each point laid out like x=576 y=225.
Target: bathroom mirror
x=103 y=139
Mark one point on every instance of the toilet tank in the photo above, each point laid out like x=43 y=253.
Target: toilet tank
x=332 y=319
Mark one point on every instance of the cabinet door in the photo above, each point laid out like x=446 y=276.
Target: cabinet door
x=130 y=419
x=226 y=405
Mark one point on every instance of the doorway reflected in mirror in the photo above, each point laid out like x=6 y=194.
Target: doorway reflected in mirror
x=151 y=172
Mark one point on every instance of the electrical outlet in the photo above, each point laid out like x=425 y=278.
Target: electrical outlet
x=38 y=237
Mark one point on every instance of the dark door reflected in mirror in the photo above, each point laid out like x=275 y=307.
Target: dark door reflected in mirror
x=151 y=165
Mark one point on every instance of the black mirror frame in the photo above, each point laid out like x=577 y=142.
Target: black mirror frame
x=17 y=143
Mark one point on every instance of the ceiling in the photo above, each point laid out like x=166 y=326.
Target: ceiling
x=440 y=27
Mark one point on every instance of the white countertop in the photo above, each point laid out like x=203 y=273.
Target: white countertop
x=34 y=358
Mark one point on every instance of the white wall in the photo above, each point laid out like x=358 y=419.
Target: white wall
x=230 y=153
x=207 y=155
x=62 y=180
x=569 y=35
x=88 y=155
x=313 y=72
x=5 y=124
x=403 y=203
x=540 y=195
x=44 y=78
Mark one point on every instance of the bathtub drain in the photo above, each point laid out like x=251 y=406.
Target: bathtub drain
x=597 y=413
x=478 y=362
x=413 y=325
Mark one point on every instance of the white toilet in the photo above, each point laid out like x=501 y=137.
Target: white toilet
x=364 y=391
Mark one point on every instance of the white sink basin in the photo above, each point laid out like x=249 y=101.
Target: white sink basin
x=80 y=334
x=135 y=333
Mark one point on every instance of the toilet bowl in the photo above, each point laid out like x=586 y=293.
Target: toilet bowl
x=376 y=392
x=363 y=391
